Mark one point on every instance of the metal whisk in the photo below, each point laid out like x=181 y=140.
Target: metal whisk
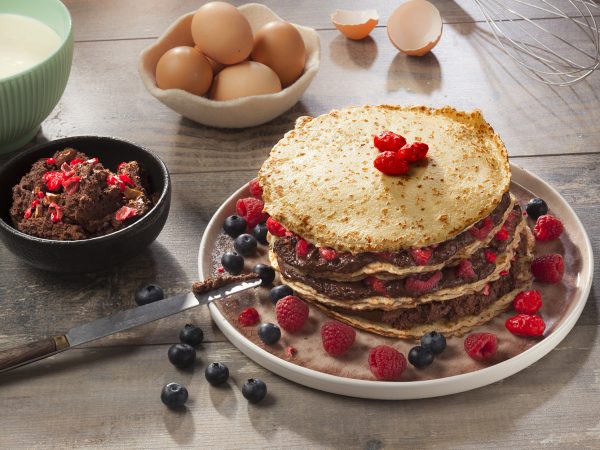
x=554 y=52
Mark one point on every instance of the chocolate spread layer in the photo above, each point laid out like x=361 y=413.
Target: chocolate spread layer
x=466 y=305
x=411 y=286
x=71 y=196
x=285 y=249
x=210 y=284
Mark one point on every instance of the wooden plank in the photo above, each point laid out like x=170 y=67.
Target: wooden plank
x=35 y=304
x=109 y=398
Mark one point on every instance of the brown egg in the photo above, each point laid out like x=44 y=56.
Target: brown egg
x=243 y=80
x=280 y=46
x=415 y=27
x=184 y=68
x=355 y=25
x=222 y=33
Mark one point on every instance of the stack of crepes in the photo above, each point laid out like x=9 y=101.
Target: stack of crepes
x=443 y=248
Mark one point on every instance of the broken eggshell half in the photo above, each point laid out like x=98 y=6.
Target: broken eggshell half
x=355 y=24
x=415 y=27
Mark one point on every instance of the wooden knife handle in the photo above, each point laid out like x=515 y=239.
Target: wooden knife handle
x=26 y=353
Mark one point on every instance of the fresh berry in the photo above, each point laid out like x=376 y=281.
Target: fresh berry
x=260 y=233
x=377 y=285
x=337 y=337
x=265 y=272
x=232 y=263
x=40 y=194
x=245 y=244
x=547 y=228
x=191 y=335
x=420 y=357
x=434 y=341
x=302 y=248
x=536 y=207
x=481 y=229
x=328 y=254
x=248 y=317
x=390 y=163
x=269 y=333
x=251 y=209
x=275 y=228
x=421 y=256
x=526 y=325
x=220 y=269
x=280 y=291
x=182 y=355
x=174 y=395
x=490 y=256
x=50 y=161
x=413 y=152
x=124 y=213
x=76 y=161
x=548 y=268
x=291 y=313
x=501 y=235
x=386 y=363
x=388 y=141
x=149 y=293
x=216 y=373
x=53 y=180
x=254 y=390
x=481 y=346
x=527 y=302
x=465 y=270
x=418 y=285
x=255 y=189
x=126 y=179
x=234 y=225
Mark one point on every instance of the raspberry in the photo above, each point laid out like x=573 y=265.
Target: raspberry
x=53 y=180
x=481 y=229
x=419 y=286
x=71 y=185
x=501 y=235
x=255 y=189
x=40 y=194
x=481 y=346
x=386 y=363
x=388 y=141
x=275 y=228
x=337 y=338
x=251 y=209
x=526 y=325
x=125 y=212
x=248 y=317
x=413 y=152
x=291 y=313
x=527 y=302
x=465 y=270
x=377 y=285
x=328 y=254
x=490 y=255
x=421 y=256
x=548 y=268
x=302 y=248
x=390 y=164
x=547 y=228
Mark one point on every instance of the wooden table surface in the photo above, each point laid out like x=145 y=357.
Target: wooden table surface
x=107 y=394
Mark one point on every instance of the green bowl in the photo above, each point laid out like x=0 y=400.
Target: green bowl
x=28 y=97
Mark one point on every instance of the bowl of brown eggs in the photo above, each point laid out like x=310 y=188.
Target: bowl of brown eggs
x=231 y=67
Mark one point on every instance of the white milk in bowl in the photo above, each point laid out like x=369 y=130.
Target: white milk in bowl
x=24 y=42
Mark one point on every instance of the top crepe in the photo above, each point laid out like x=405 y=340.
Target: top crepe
x=320 y=183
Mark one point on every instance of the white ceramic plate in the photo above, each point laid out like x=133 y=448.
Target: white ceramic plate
x=428 y=388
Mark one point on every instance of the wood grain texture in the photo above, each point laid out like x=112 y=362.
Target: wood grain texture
x=22 y=354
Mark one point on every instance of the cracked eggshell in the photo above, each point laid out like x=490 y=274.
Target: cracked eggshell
x=415 y=27
x=355 y=25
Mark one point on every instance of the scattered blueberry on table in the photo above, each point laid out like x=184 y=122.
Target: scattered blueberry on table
x=254 y=390
x=216 y=373
x=174 y=395
x=149 y=293
x=182 y=355
x=191 y=335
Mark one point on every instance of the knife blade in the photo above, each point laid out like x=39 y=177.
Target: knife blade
x=121 y=321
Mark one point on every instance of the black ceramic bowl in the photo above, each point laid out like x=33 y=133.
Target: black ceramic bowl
x=96 y=253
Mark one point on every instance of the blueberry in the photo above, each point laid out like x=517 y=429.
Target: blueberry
x=191 y=335
x=182 y=355
x=434 y=341
x=260 y=233
x=234 y=226
x=536 y=208
x=269 y=333
x=420 y=357
x=265 y=272
x=254 y=390
x=232 y=263
x=148 y=294
x=245 y=244
x=216 y=373
x=280 y=291
x=174 y=395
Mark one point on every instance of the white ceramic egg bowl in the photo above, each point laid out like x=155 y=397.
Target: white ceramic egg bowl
x=240 y=112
